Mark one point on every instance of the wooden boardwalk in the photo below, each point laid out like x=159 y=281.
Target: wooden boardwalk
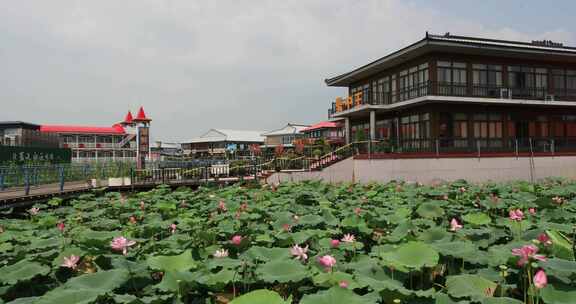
x=16 y=197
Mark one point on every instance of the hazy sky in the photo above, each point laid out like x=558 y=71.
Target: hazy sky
x=200 y=64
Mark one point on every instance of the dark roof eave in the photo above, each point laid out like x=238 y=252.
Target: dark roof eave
x=347 y=78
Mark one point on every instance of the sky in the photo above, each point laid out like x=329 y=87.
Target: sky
x=231 y=64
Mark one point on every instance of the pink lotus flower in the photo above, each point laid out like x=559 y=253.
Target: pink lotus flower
x=532 y=211
x=71 y=262
x=244 y=206
x=462 y=189
x=348 y=238
x=222 y=206
x=526 y=253
x=61 y=226
x=221 y=253
x=286 y=227
x=299 y=253
x=357 y=211
x=172 y=228
x=343 y=284
x=34 y=211
x=445 y=197
x=540 y=279
x=327 y=261
x=236 y=240
x=454 y=225
x=121 y=243
x=142 y=205
x=132 y=219
x=544 y=239
x=516 y=215
x=335 y=243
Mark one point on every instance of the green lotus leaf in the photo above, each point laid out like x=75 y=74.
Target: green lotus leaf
x=336 y=295
x=430 y=210
x=458 y=249
x=282 y=271
x=27 y=300
x=477 y=219
x=501 y=301
x=70 y=296
x=329 y=279
x=261 y=296
x=173 y=280
x=411 y=256
x=267 y=254
x=436 y=234
x=310 y=220
x=86 y=288
x=442 y=298
x=468 y=285
x=22 y=271
x=561 y=245
x=560 y=268
x=45 y=243
x=180 y=262
x=551 y=295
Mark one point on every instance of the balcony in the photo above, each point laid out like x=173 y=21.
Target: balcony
x=449 y=89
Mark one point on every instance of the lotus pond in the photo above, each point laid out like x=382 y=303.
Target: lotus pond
x=297 y=243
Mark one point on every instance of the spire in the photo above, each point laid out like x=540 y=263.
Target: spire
x=128 y=119
x=141 y=117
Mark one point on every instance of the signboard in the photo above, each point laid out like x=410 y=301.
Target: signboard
x=143 y=140
x=25 y=155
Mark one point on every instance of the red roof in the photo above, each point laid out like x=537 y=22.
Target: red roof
x=128 y=119
x=322 y=125
x=141 y=115
x=114 y=130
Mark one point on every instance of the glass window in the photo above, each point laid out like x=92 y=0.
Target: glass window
x=528 y=82
x=487 y=80
x=452 y=78
x=564 y=83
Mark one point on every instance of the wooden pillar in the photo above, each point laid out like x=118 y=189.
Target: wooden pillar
x=347 y=130
x=372 y=125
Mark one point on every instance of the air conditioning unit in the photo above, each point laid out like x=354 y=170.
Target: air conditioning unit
x=505 y=93
x=549 y=97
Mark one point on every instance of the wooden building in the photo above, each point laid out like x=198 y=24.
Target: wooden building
x=465 y=94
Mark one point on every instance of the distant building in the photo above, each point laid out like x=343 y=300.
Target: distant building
x=221 y=141
x=284 y=136
x=23 y=134
x=330 y=131
x=165 y=149
x=115 y=143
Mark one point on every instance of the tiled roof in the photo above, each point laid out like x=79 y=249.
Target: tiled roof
x=322 y=125
x=287 y=130
x=217 y=135
x=74 y=129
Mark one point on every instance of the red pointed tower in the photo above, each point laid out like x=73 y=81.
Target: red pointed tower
x=142 y=124
x=141 y=117
x=128 y=120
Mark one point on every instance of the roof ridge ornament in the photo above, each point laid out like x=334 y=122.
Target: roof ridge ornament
x=548 y=43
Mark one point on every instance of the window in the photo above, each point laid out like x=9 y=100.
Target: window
x=452 y=80
x=487 y=128
x=381 y=91
x=528 y=82
x=414 y=82
x=564 y=83
x=384 y=129
x=487 y=80
x=394 y=88
x=415 y=131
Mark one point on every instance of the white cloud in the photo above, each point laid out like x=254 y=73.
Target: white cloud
x=204 y=63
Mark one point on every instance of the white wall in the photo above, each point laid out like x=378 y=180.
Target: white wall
x=426 y=170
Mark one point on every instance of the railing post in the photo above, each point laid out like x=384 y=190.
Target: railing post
x=437 y=147
x=61 y=176
x=516 y=147
x=26 y=181
x=478 y=147
x=552 y=146
x=2 y=186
